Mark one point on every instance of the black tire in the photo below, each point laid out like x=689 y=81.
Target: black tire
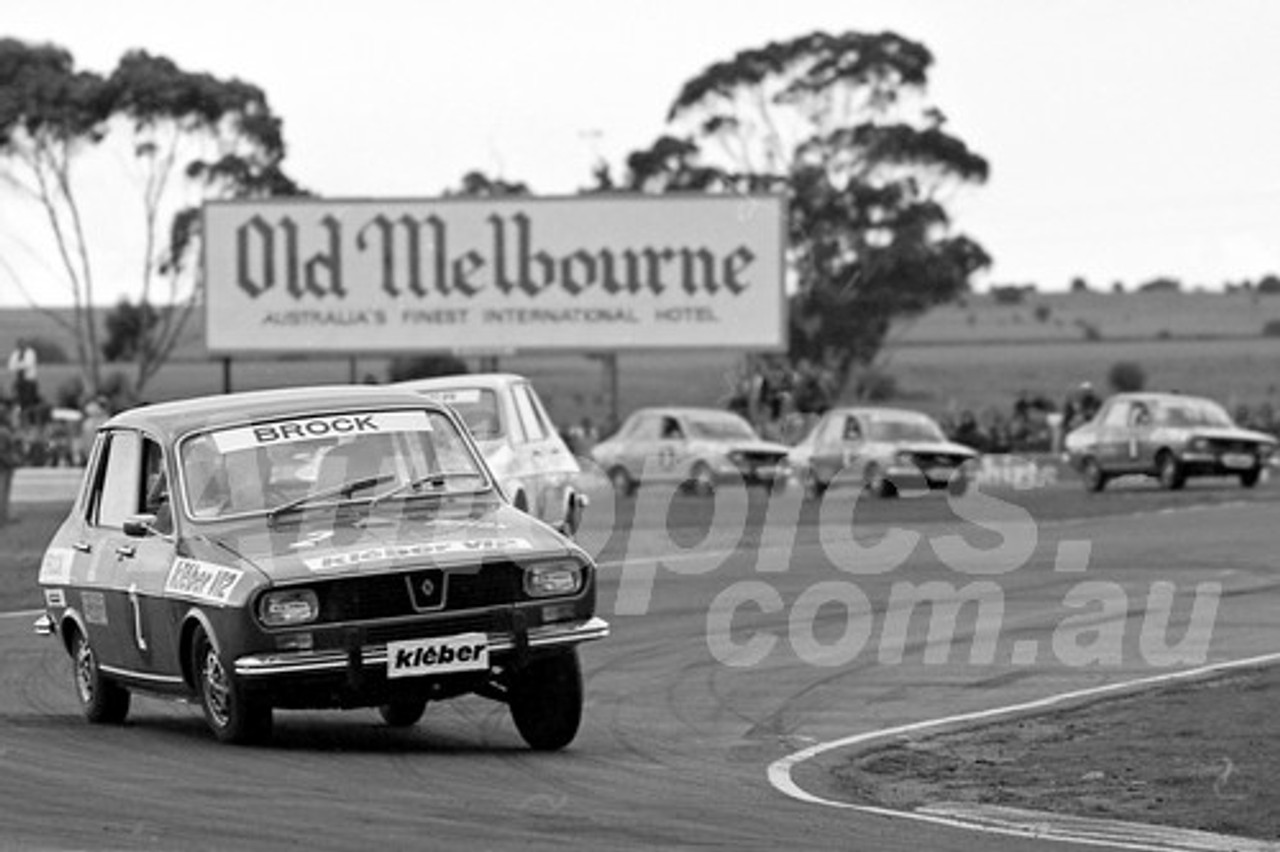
x=546 y=700
x=1170 y=471
x=1249 y=478
x=1092 y=475
x=622 y=481
x=702 y=480
x=232 y=714
x=877 y=484
x=814 y=487
x=403 y=712
x=102 y=700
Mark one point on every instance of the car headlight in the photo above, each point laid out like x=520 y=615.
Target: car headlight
x=552 y=578
x=904 y=459
x=1199 y=445
x=737 y=456
x=288 y=607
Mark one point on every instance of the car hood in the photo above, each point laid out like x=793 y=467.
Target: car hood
x=374 y=544
x=933 y=448
x=1224 y=433
x=755 y=447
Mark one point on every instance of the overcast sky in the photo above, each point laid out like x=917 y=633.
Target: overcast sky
x=1127 y=138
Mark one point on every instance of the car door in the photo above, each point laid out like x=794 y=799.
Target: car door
x=547 y=454
x=673 y=461
x=1112 y=444
x=139 y=624
x=638 y=443
x=828 y=453
x=525 y=438
x=1142 y=446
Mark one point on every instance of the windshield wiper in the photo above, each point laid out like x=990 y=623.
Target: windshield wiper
x=435 y=480
x=341 y=489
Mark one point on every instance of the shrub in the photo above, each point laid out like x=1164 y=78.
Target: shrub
x=49 y=351
x=1010 y=295
x=876 y=386
x=1042 y=313
x=70 y=393
x=424 y=367
x=1127 y=376
x=1272 y=328
x=1090 y=331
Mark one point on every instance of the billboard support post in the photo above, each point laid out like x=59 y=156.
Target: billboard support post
x=226 y=375
x=611 y=378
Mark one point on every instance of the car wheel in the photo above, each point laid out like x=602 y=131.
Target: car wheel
x=403 y=712
x=877 y=484
x=702 y=480
x=1249 y=478
x=546 y=701
x=1094 y=478
x=622 y=481
x=814 y=487
x=102 y=700
x=232 y=714
x=1171 y=473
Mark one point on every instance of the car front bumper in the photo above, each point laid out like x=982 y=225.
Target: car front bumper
x=344 y=661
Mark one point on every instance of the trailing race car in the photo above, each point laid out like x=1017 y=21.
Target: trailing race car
x=881 y=449
x=694 y=447
x=1168 y=436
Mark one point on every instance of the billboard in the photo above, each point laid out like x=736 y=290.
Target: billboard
x=589 y=272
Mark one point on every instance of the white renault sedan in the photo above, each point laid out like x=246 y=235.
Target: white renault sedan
x=514 y=432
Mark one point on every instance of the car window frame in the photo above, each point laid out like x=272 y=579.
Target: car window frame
x=94 y=516
x=541 y=431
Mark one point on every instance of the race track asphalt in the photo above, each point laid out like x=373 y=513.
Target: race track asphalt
x=681 y=723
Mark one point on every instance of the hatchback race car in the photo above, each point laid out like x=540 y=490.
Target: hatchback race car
x=524 y=451
x=1168 y=436
x=882 y=449
x=327 y=547
x=694 y=447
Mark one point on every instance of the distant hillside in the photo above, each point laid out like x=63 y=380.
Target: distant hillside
x=977 y=319
x=1112 y=316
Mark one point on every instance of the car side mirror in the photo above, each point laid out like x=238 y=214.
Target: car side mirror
x=140 y=526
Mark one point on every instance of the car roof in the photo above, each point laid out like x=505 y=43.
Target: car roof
x=1160 y=396
x=180 y=416
x=683 y=411
x=462 y=380
x=875 y=409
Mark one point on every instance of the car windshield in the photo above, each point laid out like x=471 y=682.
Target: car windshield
x=1193 y=412
x=478 y=408
x=722 y=428
x=903 y=429
x=322 y=459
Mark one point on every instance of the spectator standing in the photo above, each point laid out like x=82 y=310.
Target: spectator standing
x=26 y=390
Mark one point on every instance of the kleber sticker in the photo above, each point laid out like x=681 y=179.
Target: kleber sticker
x=310 y=428
x=382 y=553
x=55 y=598
x=55 y=568
x=94 y=605
x=202 y=581
x=462 y=653
x=453 y=397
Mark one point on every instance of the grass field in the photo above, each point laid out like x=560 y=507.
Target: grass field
x=974 y=355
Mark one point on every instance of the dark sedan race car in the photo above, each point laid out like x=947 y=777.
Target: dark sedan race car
x=1168 y=436
x=326 y=547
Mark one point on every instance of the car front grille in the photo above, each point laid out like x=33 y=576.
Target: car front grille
x=383 y=596
x=1220 y=445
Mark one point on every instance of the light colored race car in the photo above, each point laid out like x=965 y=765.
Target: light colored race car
x=1168 y=436
x=324 y=547
x=697 y=448
x=881 y=449
x=521 y=444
